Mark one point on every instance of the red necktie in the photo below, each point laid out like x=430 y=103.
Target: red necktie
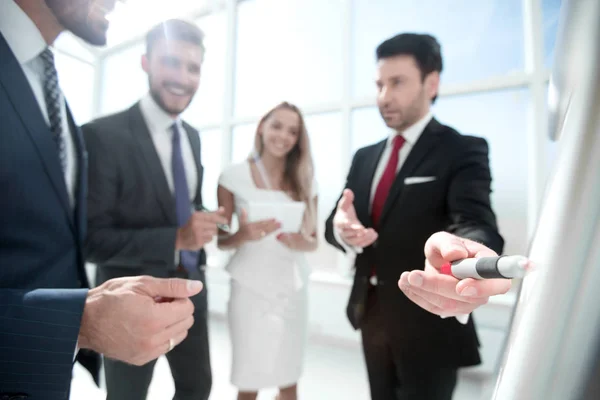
x=384 y=186
x=386 y=181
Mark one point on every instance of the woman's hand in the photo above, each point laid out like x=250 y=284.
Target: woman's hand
x=251 y=231
x=297 y=241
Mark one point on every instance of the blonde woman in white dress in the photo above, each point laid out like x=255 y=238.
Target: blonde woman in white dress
x=267 y=309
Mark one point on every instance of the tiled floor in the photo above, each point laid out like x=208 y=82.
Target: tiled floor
x=332 y=372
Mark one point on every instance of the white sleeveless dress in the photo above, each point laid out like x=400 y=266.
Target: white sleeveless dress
x=268 y=305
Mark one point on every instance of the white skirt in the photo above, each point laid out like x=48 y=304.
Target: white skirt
x=268 y=334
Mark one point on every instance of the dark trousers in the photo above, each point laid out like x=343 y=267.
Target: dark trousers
x=389 y=377
x=189 y=362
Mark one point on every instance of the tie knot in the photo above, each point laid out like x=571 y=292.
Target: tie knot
x=397 y=142
x=47 y=57
x=175 y=129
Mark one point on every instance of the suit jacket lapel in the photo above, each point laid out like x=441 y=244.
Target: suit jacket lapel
x=194 y=139
x=140 y=131
x=426 y=142
x=26 y=106
x=363 y=202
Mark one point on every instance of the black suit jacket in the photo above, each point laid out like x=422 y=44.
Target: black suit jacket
x=132 y=222
x=42 y=276
x=457 y=201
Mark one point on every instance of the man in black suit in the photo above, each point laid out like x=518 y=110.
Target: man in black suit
x=424 y=178
x=46 y=311
x=145 y=181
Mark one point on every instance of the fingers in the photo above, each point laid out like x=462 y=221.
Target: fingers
x=210 y=218
x=163 y=343
x=268 y=225
x=350 y=229
x=259 y=229
x=424 y=304
x=437 y=284
x=243 y=217
x=478 y=250
x=483 y=288
x=165 y=315
x=169 y=288
x=368 y=237
x=285 y=239
x=358 y=235
x=437 y=293
x=346 y=200
x=175 y=331
x=442 y=247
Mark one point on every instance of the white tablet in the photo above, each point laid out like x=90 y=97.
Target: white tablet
x=288 y=214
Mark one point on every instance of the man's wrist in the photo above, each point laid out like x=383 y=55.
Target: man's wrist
x=178 y=240
x=84 y=339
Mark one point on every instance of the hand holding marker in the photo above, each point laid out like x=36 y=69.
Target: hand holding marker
x=502 y=267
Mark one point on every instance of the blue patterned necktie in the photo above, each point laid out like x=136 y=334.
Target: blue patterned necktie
x=183 y=206
x=52 y=98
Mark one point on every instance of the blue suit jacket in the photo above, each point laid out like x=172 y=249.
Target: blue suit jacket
x=41 y=236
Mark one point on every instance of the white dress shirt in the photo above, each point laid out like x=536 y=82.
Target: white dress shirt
x=26 y=42
x=159 y=123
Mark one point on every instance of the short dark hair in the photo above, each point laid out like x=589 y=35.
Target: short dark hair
x=425 y=49
x=175 y=29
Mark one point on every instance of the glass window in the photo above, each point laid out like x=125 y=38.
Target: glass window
x=367 y=128
x=123 y=80
x=502 y=118
x=210 y=140
x=132 y=18
x=242 y=141
x=77 y=84
x=325 y=132
x=551 y=13
x=288 y=50
x=551 y=146
x=207 y=106
x=71 y=44
x=479 y=39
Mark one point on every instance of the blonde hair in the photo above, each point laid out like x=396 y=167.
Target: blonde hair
x=298 y=175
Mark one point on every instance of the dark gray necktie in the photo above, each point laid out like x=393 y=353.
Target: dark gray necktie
x=52 y=98
x=183 y=205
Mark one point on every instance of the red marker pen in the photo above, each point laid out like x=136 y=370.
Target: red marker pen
x=504 y=267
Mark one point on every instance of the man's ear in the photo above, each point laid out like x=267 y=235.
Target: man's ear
x=432 y=84
x=145 y=63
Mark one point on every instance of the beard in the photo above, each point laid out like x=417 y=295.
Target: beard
x=87 y=23
x=408 y=115
x=172 y=110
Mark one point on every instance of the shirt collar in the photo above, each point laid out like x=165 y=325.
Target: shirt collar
x=413 y=132
x=157 y=119
x=22 y=35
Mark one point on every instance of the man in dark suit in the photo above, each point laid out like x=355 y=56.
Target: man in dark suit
x=424 y=178
x=46 y=312
x=145 y=181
